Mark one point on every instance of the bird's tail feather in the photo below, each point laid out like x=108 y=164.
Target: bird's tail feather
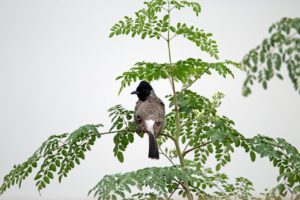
x=153 y=148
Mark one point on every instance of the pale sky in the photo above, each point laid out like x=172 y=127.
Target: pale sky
x=57 y=71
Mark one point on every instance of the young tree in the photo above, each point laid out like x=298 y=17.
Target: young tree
x=193 y=126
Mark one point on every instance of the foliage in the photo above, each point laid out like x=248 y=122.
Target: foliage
x=186 y=71
x=283 y=156
x=266 y=61
x=146 y=22
x=120 y=119
x=163 y=181
x=192 y=125
x=160 y=180
x=57 y=155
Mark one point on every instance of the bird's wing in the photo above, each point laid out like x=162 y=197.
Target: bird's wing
x=136 y=108
x=159 y=122
x=138 y=118
x=152 y=109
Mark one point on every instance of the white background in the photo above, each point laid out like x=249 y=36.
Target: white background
x=57 y=70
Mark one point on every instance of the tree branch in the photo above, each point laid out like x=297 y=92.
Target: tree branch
x=163 y=153
x=163 y=37
x=168 y=136
x=185 y=87
x=173 y=36
x=169 y=198
x=186 y=146
x=194 y=148
x=118 y=131
x=222 y=191
x=172 y=8
x=165 y=9
x=179 y=183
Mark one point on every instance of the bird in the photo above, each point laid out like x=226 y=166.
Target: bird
x=149 y=114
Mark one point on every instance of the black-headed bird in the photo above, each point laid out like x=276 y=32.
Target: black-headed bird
x=149 y=115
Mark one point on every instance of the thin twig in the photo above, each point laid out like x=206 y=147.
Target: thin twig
x=125 y=121
x=172 y=8
x=173 y=192
x=186 y=146
x=165 y=9
x=173 y=36
x=168 y=136
x=163 y=153
x=194 y=148
x=177 y=181
x=185 y=87
x=163 y=37
x=111 y=132
x=220 y=189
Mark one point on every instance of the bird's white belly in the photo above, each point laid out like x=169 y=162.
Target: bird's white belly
x=149 y=125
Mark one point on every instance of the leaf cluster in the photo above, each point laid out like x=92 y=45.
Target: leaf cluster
x=282 y=48
x=124 y=126
x=57 y=155
x=285 y=157
x=161 y=181
x=182 y=4
x=203 y=130
x=147 y=23
x=186 y=71
x=198 y=37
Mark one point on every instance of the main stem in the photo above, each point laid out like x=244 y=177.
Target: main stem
x=177 y=118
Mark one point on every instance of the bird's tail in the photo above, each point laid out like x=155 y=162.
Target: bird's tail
x=153 y=148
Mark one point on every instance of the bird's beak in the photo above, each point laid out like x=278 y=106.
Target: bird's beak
x=134 y=92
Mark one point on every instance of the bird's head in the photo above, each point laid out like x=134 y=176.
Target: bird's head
x=143 y=90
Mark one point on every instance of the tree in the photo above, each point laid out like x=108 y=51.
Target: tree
x=193 y=126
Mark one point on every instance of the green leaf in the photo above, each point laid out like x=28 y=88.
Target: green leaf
x=210 y=148
x=52 y=167
x=60 y=178
x=50 y=175
x=43 y=184
x=130 y=137
x=81 y=155
x=281 y=169
x=277 y=61
x=265 y=85
x=120 y=156
x=34 y=164
x=252 y=156
x=64 y=153
x=57 y=163
x=37 y=177
x=279 y=76
x=111 y=34
x=269 y=63
x=144 y=35
x=46 y=179
x=218 y=167
x=77 y=161
x=183 y=139
x=227 y=158
x=166 y=17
